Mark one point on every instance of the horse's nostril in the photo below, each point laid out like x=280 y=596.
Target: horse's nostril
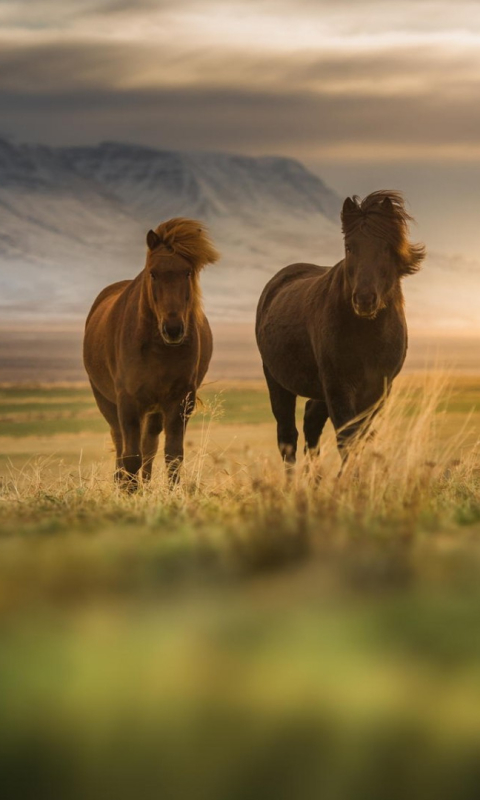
x=173 y=332
x=364 y=298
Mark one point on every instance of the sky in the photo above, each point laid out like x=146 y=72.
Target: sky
x=368 y=94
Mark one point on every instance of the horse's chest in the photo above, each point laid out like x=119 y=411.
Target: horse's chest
x=154 y=397
x=155 y=378
x=383 y=358
x=366 y=374
x=370 y=368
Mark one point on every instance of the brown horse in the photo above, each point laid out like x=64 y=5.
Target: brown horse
x=338 y=335
x=147 y=348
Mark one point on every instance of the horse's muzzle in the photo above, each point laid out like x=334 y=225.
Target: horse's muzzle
x=365 y=313
x=173 y=334
x=365 y=306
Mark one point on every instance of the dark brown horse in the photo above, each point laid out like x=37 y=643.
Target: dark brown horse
x=338 y=335
x=147 y=348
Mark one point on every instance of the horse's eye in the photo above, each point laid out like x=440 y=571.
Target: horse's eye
x=153 y=276
x=189 y=274
x=348 y=249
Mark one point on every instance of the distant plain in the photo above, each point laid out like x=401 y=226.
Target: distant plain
x=51 y=353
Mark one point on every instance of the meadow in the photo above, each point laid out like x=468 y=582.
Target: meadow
x=241 y=636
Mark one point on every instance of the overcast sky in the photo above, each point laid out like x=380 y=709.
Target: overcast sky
x=366 y=92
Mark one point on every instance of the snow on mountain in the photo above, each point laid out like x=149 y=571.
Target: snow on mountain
x=57 y=232
x=74 y=219
x=207 y=185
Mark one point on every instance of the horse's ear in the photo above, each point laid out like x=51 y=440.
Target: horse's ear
x=349 y=206
x=153 y=240
x=387 y=205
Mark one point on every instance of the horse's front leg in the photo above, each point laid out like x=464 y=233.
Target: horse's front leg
x=130 y=426
x=351 y=420
x=152 y=428
x=176 y=419
x=345 y=419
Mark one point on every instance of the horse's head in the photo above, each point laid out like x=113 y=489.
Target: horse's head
x=177 y=250
x=377 y=251
x=169 y=286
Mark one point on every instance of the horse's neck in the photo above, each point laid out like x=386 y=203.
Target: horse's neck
x=196 y=312
x=339 y=286
x=196 y=309
x=146 y=320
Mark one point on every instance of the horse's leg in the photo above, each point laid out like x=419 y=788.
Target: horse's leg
x=176 y=419
x=347 y=432
x=152 y=428
x=344 y=416
x=116 y=435
x=130 y=425
x=283 y=405
x=351 y=424
x=109 y=411
x=353 y=417
x=314 y=419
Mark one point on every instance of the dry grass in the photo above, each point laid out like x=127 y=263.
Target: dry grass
x=410 y=482
x=408 y=461
x=245 y=635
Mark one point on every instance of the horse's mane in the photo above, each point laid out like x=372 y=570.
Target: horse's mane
x=383 y=214
x=188 y=238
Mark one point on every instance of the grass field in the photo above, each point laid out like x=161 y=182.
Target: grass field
x=241 y=636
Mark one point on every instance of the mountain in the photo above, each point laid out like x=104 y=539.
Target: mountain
x=206 y=185
x=74 y=219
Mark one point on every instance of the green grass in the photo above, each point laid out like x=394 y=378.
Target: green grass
x=196 y=701
x=241 y=636
x=38 y=391
x=52 y=411
x=58 y=406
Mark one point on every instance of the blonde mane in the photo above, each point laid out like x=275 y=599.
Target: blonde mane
x=188 y=238
x=383 y=214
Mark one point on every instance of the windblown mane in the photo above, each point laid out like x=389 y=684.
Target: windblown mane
x=383 y=214
x=188 y=238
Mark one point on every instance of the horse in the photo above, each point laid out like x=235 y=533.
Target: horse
x=338 y=335
x=147 y=348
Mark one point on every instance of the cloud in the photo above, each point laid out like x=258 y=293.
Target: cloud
x=340 y=78
x=254 y=122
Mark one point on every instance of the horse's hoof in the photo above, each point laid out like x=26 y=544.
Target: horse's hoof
x=127 y=483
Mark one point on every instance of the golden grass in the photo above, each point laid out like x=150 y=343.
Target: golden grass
x=410 y=455
x=244 y=635
x=413 y=476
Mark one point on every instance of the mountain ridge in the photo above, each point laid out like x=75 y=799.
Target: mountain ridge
x=74 y=219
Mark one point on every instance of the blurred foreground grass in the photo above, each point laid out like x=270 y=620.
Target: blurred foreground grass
x=238 y=637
